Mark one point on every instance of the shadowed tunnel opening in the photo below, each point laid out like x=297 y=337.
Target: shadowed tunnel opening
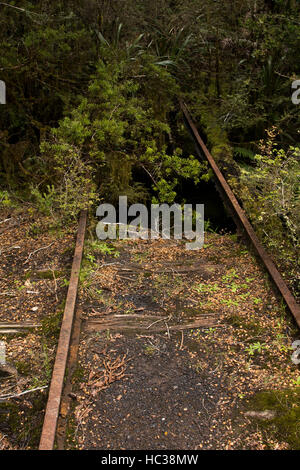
x=215 y=216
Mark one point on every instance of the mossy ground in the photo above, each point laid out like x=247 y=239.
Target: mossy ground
x=22 y=422
x=285 y=427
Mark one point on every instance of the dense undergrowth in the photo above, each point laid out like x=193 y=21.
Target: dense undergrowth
x=92 y=109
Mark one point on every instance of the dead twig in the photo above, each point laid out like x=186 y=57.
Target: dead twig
x=181 y=344
x=19 y=325
x=35 y=251
x=7 y=397
x=157 y=321
x=168 y=330
x=55 y=283
x=14 y=247
x=113 y=370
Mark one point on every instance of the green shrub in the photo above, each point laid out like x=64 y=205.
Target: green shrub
x=121 y=125
x=271 y=196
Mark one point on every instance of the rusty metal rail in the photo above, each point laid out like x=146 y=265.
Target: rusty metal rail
x=53 y=405
x=243 y=221
x=48 y=434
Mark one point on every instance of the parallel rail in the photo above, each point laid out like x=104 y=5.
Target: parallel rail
x=240 y=216
x=48 y=434
x=53 y=405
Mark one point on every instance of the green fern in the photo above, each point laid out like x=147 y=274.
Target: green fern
x=241 y=152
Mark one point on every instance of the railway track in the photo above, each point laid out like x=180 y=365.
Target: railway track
x=241 y=219
x=53 y=408
x=59 y=369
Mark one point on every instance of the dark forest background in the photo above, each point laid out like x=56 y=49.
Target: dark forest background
x=92 y=105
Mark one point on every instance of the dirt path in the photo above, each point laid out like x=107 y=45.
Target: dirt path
x=177 y=346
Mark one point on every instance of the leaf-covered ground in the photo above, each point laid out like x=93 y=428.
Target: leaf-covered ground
x=34 y=269
x=176 y=345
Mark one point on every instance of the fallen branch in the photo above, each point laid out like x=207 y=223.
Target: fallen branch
x=10 y=331
x=19 y=325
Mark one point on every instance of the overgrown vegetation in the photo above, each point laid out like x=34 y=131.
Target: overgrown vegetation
x=92 y=110
x=271 y=196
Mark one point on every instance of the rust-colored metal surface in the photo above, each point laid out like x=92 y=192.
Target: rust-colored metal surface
x=56 y=386
x=66 y=397
x=243 y=221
